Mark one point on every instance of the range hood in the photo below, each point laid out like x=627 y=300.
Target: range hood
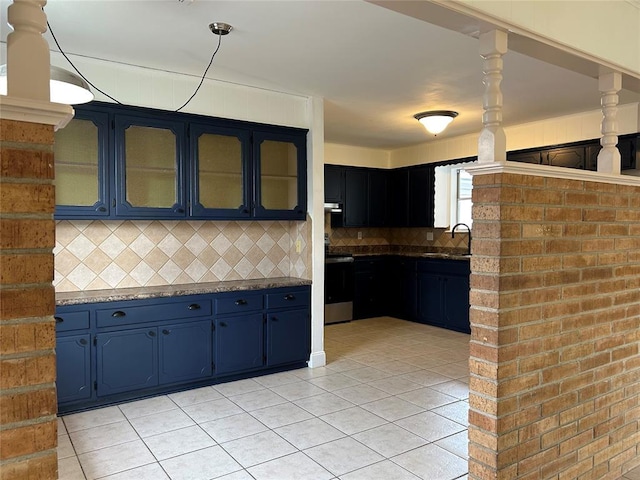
x=333 y=207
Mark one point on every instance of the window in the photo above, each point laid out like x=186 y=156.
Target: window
x=463 y=197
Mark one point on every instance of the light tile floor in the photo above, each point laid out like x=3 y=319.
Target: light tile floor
x=391 y=404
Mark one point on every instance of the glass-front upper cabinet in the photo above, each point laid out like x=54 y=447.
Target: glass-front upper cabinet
x=280 y=175
x=80 y=155
x=150 y=170
x=220 y=177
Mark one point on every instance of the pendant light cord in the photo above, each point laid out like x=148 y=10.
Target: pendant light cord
x=114 y=99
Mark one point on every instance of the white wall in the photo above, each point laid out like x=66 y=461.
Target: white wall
x=336 y=154
x=565 y=129
x=608 y=30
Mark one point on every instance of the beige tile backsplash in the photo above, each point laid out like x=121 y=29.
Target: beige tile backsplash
x=98 y=254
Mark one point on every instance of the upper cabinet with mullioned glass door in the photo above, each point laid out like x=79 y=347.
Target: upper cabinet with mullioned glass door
x=220 y=178
x=280 y=173
x=82 y=178
x=149 y=167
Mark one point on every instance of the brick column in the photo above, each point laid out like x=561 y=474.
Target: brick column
x=555 y=319
x=28 y=424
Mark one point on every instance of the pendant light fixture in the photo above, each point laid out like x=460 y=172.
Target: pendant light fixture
x=64 y=87
x=436 y=121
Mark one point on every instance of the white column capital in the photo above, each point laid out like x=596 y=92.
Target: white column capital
x=611 y=81
x=493 y=42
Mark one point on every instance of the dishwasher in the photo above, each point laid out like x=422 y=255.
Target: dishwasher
x=338 y=288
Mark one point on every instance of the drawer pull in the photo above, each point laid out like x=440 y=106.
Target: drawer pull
x=222 y=324
x=194 y=306
x=242 y=301
x=290 y=296
x=152 y=333
x=83 y=341
x=118 y=314
x=59 y=319
x=166 y=332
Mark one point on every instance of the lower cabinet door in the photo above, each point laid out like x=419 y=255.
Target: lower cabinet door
x=185 y=351
x=126 y=360
x=456 y=299
x=239 y=342
x=288 y=337
x=73 y=362
x=430 y=305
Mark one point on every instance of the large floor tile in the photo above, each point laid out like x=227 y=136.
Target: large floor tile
x=233 y=427
x=395 y=385
x=212 y=462
x=152 y=471
x=385 y=470
x=291 y=467
x=353 y=420
x=322 y=404
x=238 y=387
x=69 y=469
x=103 y=436
x=212 y=410
x=118 y=458
x=297 y=390
x=458 y=412
x=432 y=463
x=362 y=393
x=426 y=378
x=367 y=374
x=309 y=433
x=178 y=442
x=390 y=440
x=430 y=426
x=334 y=381
x=258 y=399
x=280 y=415
x=428 y=398
x=161 y=422
x=65 y=448
x=392 y=408
x=276 y=379
x=453 y=388
x=92 y=418
x=457 y=444
x=343 y=456
x=197 y=395
x=258 y=448
x=147 y=406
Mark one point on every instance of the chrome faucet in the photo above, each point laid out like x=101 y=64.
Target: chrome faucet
x=453 y=234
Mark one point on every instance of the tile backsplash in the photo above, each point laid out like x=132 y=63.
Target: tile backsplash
x=99 y=254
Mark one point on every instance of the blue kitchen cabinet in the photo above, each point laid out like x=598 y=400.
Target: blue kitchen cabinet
x=356 y=197
x=280 y=174
x=73 y=364
x=185 y=351
x=443 y=294
x=421 y=196
x=288 y=326
x=125 y=162
x=402 y=287
x=81 y=153
x=150 y=167
x=126 y=360
x=288 y=337
x=334 y=184
x=239 y=343
x=221 y=181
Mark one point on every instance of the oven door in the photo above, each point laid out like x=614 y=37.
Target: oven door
x=338 y=291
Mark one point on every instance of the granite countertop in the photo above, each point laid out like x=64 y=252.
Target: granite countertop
x=139 y=293
x=402 y=251
x=442 y=255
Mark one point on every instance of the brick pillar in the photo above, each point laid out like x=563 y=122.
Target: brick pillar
x=28 y=424
x=555 y=319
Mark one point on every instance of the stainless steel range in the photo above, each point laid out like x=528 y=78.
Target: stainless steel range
x=338 y=288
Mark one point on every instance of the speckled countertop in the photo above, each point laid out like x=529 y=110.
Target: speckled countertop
x=138 y=293
x=442 y=255
x=402 y=251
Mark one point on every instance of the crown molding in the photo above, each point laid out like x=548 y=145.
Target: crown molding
x=35 y=111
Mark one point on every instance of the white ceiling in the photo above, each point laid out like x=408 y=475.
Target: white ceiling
x=374 y=67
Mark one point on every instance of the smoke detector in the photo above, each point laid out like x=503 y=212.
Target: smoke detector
x=220 y=28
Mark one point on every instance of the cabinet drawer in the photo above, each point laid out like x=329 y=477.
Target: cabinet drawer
x=239 y=303
x=288 y=299
x=72 y=321
x=125 y=315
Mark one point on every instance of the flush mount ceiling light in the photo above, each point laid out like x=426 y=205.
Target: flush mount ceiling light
x=436 y=121
x=65 y=87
